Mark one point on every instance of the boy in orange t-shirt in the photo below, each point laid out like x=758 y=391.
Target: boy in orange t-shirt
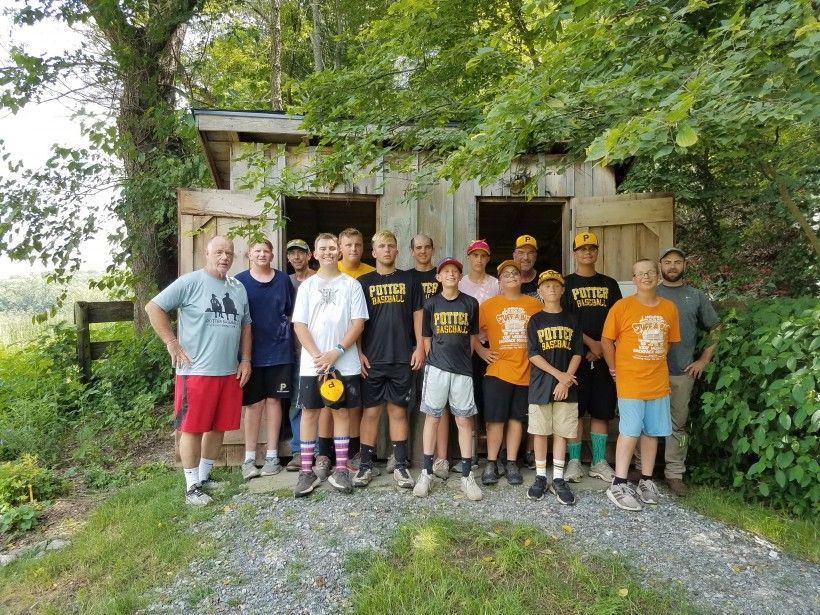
x=636 y=337
x=504 y=318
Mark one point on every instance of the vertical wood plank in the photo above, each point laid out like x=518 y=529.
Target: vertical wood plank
x=603 y=181
x=398 y=210
x=83 y=339
x=465 y=218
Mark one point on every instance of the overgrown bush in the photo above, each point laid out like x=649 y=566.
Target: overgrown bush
x=760 y=419
x=25 y=487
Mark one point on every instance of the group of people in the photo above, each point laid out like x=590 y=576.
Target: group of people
x=527 y=353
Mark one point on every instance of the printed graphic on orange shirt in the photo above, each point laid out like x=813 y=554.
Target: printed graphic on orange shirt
x=651 y=330
x=513 y=321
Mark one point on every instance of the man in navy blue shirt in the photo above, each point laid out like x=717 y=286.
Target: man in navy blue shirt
x=271 y=297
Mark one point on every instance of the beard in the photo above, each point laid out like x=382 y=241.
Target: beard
x=672 y=277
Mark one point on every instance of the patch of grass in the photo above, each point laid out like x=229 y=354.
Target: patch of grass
x=452 y=566
x=798 y=537
x=135 y=541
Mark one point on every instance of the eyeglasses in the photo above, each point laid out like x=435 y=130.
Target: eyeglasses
x=510 y=274
x=587 y=249
x=646 y=275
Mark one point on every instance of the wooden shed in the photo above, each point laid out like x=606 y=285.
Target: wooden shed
x=580 y=197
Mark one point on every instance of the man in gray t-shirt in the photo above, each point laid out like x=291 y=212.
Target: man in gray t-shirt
x=214 y=332
x=696 y=313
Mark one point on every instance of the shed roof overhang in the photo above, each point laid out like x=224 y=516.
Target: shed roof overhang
x=218 y=129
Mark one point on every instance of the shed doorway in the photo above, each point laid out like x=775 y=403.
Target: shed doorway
x=307 y=217
x=501 y=221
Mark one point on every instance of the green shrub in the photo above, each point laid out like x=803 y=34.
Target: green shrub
x=760 y=414
x=16 y=476
x=18 y=519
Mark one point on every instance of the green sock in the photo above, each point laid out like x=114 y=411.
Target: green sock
x=574 y=449
x=598 y=446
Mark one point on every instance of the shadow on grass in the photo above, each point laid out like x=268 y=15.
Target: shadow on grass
x=449 y=566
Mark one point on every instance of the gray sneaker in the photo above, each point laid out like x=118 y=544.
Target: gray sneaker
x=249 y=470
x=441 y=468
x=403 y=478
x=574 y=471
x=210 y=485
x=307 y=482
x=514 y=474
x=195 y=496
x=648 y=492
x=322 y=467
x=470 y=489
x=423 y=485
x=623 y=497
x=602 y=470
x=391 y=464
x=363 y=477
x=271 y=467
x=355 y=462
x=340 y=480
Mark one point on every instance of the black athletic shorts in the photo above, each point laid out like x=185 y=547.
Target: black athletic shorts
x=272 y=381
x=596 y=391
x=387 y=382
x=311 y=399
x=504 y=401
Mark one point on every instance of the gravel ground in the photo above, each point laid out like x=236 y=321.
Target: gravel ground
x=723 y=569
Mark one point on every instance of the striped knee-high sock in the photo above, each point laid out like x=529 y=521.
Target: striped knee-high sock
x=341 y=444
x=306 y=448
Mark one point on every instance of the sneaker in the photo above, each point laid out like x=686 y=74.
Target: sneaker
x=340 y=481
x=441 y=468
x=574 y=471
x=529 y=459
x=195 y=496
x=307 y=482
x=623 y=497
x=500 y=467
x=322 y=467
x=648 y=492
x=536 y=491
x=562 y=492
x=249 y=470
x=391 y=463
x=490 y=474
x=470 y=489
x=209 y=485
x=514 y=474
x=602 y=470
x=355 y=462
x=677 y=486
x=271 y=467
x=423 y=485
x=363 y=477
x=295 y=464
x=403 y=478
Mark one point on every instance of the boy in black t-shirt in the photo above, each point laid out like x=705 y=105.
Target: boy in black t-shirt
x=450 y=332
x=554 y=346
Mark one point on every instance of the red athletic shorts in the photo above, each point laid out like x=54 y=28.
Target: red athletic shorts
x=207 y=403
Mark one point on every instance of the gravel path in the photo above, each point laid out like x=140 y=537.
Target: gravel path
x=723 y=569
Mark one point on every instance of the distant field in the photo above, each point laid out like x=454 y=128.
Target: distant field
x=21 y=298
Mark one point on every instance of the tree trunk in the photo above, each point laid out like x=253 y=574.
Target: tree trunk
x=337 y=48
x=276 y=55
x=798 y=216
x=316 y=36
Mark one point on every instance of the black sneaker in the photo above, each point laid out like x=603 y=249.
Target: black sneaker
x=490 y=475
x=340 y=481
x=529 y=460
x=307 y=482
x=514 y=474
x=562 y=492
x=536 y=491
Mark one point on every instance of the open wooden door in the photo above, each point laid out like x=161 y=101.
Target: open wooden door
x=629 y=227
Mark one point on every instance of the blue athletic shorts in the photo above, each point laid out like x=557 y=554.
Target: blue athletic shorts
x=652 y=417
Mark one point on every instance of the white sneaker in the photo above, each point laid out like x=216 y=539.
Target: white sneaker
x=441 y=468
x=196 y=497
x=574 y=471
x=602 y=470
x=403 y=478
x=271 y=467
x=470 y=489
x=249 y=470
x=423 y=485
x=391 y=463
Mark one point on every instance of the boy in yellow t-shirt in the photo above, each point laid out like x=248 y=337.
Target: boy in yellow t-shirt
x=504 y=318
x=636 y=337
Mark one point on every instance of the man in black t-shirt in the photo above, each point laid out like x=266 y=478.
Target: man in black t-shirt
x=450 y=330
x=554 y=346
x=424 y=273
x=589 y=295
x=525 y=255
x=394 y=309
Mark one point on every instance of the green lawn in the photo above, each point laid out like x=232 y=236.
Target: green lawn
x=449 y=566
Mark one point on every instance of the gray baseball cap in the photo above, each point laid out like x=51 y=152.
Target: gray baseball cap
x=666 y=251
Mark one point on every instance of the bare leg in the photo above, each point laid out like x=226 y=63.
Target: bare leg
x=514 y=431
x=432 y=427
x=370 y=425
x=559 y=448
x=211 y=443
x=325 y=424
x=355 y=421
x=540 y=447
x=398 y=422
x=253 y=418
x=341 y=422
x=273 y=416
x=623 y=454
x=310 y=423
x=442 y=435
x=495 y=431
x=464 y=424
x=649 y=450
x=190 y=449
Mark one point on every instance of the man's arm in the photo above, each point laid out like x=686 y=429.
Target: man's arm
x=243 y=371
x=594 y=346
x=608 y=347
x=418 y=356
x=161 y=323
